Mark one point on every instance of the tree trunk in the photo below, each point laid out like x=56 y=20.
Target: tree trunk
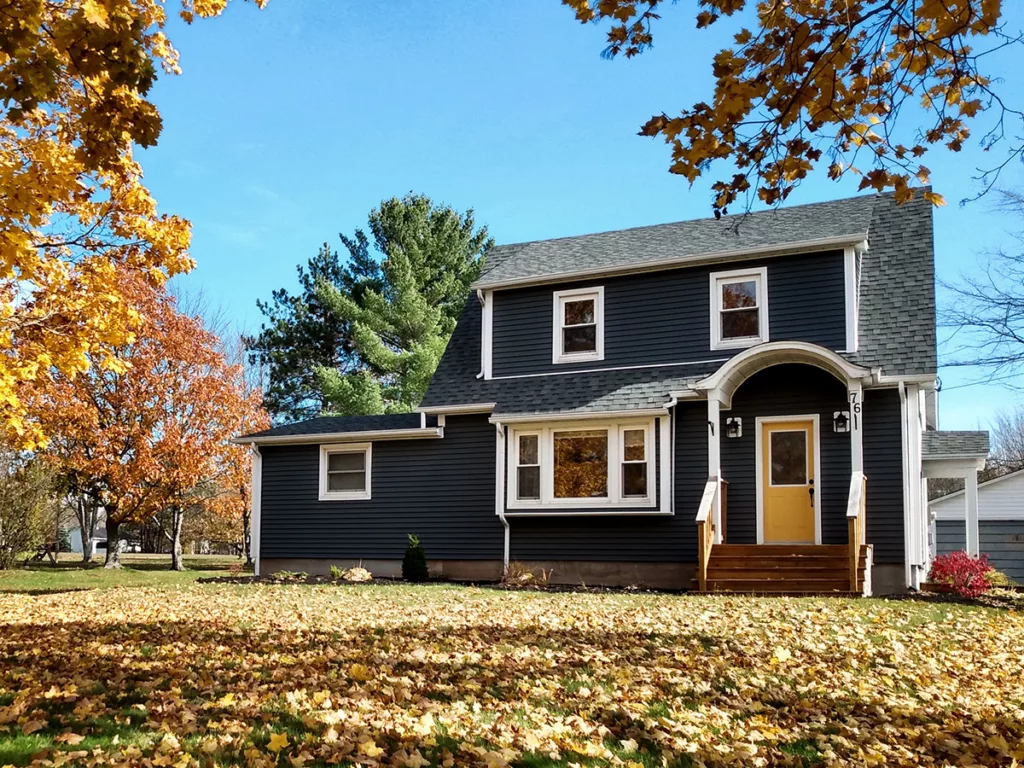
x=88 y=512
x=114 y=543
x=247 y=536
x=177 y=517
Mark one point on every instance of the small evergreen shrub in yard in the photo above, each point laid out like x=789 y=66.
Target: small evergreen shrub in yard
x=968 y=576
x=414 y=564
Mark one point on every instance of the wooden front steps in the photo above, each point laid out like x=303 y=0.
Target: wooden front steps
x=783 y=569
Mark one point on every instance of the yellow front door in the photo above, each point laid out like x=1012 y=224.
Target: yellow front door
x=787 y=481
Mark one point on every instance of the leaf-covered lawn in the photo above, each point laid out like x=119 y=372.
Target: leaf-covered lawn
x=205 y=675
x=139 y=570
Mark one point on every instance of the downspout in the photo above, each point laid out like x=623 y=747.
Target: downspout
x=499 y=496
x=256 y=502
x=669 y=465
x=480 y=298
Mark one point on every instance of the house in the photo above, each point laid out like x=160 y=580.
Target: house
x=1000 y=523
x=733 y=404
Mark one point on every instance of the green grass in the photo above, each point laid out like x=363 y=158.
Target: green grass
x=72 y=574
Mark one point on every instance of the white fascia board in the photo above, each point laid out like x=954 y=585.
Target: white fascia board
x=529 y=418
x=453 y=410
x=782 y=249
x=343 y=437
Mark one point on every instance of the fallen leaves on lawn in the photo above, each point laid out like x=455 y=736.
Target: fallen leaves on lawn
x=409 y=677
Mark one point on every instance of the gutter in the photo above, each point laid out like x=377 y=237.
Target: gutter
x=326 y=437
x=453 y=410
x=805 y=246
x=529 y=418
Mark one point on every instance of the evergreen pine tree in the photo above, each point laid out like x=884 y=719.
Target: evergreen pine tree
x=401 y=315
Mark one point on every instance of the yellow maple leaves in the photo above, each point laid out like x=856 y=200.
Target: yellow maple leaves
x=74 y=83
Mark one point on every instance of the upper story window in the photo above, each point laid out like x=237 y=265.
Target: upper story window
x=578 y=325
x=582 y=465
x=739 y=308
x=345 y=471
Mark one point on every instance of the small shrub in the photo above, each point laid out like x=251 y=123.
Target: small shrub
x=968 y=576
x=414 y=564
x=289 y=576
x=999 y=579
x=519 y=575
x=357 y=574
x=337 y=573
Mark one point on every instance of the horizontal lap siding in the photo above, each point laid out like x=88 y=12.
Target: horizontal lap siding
x=786 y=390
x=442 y=490
x=1001 y=540
x=664 y=317
x=609 y=538
x=883 y=465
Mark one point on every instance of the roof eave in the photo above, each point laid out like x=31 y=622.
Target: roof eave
x=342 y=437
x=780 y=249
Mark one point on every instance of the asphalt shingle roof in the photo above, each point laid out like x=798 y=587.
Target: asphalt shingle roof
x=639 y=247
x=897 y=299
x=937 y=445
x=338 y=424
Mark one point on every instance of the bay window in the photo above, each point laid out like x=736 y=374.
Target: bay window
x=582 y=465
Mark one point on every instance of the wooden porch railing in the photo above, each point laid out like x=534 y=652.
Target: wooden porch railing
x=706 y=528
x=856 y=521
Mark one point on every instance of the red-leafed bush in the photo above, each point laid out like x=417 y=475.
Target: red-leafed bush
x=965 y=574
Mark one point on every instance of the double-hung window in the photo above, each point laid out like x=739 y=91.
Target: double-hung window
x=345 y=471
x=739 y=308
x=582 y=465
x=578 y=325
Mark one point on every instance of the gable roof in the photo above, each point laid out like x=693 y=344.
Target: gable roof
x=897 y=297
x=954 y=445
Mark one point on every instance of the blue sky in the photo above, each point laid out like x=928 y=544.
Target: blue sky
x=290 y=124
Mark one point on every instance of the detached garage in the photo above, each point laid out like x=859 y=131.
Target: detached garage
x=1000 y=523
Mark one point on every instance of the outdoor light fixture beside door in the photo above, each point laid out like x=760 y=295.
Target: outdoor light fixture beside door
x=841 y=421
x=734 y=427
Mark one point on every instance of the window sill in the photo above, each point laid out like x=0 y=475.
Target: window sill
x=344 y=497
x=625 y=505
x=549 y=511
x=745 y=343
x=590 y=357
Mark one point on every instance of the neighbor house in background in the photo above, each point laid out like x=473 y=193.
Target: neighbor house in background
x=1000 y=523
x=730 y=404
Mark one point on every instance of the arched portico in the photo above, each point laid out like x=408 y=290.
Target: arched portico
x=720 y=387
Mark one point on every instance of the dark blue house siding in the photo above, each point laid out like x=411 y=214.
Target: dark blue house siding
x=621 y=538
x=665 y=317
x=883 y=465
x=785 y=390
x=442 y=490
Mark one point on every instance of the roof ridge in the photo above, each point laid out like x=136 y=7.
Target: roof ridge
x=873 y=196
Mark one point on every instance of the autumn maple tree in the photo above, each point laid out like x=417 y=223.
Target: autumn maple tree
x=74 y=212
x=867 y=87
x=142 y=436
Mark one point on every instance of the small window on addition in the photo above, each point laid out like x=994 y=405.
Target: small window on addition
x=579 y=325
x=528 y=468
x=344 y=472
x=739 y=308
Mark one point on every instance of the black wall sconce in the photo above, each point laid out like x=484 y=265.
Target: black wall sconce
x=734 y=427
x=841 y=421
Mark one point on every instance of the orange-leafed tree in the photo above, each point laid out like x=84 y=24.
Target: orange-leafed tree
x=867 y=87
x=143 y=435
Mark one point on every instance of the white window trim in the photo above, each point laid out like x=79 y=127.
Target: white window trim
x=558 y=315
x=760 y=274
x=615 y=500
x=327 y=450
